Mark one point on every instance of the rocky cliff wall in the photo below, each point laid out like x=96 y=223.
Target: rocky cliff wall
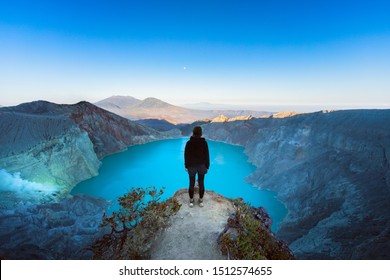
x=331 y=170
x=55 y=165
x=53 y=147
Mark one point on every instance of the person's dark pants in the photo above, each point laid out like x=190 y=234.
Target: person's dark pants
x=201 y=170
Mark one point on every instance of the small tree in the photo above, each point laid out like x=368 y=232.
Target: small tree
x=133 y=227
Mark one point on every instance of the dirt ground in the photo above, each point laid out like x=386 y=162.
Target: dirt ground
x=193 y=232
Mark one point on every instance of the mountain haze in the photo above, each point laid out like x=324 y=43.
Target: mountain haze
x=153 y=108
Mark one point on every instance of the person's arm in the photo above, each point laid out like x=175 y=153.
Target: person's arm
x=207 y=156
x=186 y=156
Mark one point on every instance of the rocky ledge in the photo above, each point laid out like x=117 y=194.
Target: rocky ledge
x=200 y=233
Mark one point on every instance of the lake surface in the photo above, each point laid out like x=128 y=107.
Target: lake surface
x=161 y=164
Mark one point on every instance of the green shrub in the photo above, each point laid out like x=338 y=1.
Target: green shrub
x=135 y=225
x=247 y=238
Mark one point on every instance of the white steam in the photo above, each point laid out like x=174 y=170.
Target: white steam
x=14 y=183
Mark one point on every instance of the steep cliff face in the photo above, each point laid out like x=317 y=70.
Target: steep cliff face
x=61 y=162
x=331 y=170
x=49 y=154
x=58 y=146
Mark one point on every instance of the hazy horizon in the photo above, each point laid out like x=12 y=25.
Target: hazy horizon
x=303 y=54
x=204 y=105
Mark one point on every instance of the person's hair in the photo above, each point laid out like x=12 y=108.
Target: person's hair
x=197 y=131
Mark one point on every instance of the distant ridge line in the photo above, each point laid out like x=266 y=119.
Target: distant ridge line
x=154 y=108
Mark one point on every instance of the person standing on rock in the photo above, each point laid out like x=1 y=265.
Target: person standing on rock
x=196 y=161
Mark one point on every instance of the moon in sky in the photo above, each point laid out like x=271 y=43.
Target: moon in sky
x=184 y=68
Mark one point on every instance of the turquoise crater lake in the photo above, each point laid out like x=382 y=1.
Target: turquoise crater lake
x=161 y=164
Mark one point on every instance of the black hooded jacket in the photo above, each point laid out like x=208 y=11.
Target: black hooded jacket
x=196 y=152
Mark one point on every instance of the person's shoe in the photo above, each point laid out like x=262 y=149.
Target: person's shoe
x=191 y=203
x=201 y=202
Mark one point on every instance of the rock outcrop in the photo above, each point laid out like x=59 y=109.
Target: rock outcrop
x=194 y=232
x=223 y=118
x=331 y=170
x=281 y=115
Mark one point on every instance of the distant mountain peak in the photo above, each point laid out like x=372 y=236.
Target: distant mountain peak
x=152 y=102
x=121 y=97
x=153 y=99
x=116 y=102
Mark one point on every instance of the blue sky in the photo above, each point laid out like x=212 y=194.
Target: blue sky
x=319 y=54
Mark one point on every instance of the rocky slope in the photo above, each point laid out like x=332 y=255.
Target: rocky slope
x=62 y=230
x=60 y=145
x=331 y=170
